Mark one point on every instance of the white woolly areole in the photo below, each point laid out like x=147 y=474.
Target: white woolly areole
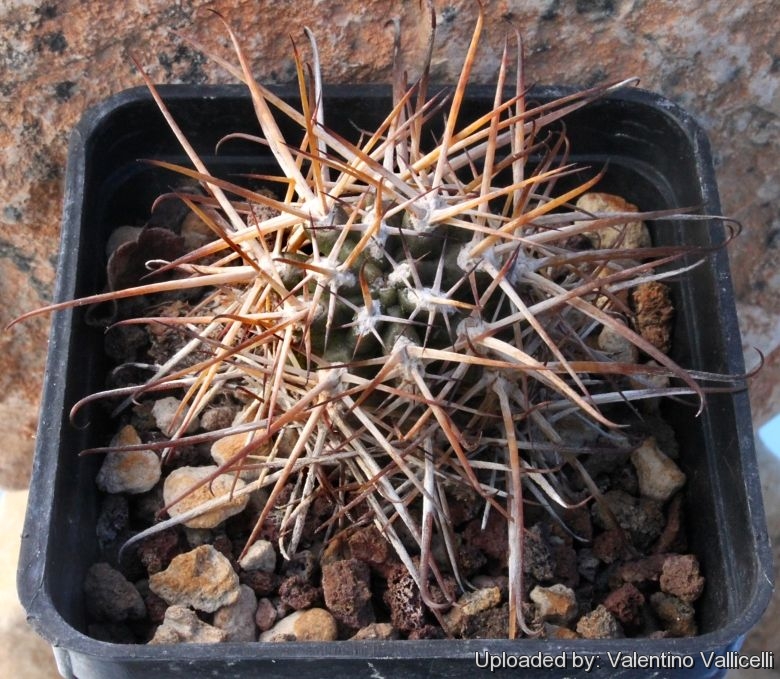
x=330 y=378
x=470 y=328
x=408 y=364
x=332 y=275
x=491 y=262
x=365 y=319
x=376 y=247
x=400 y=274
x=429 y=204
x=315 y=210
x=425 y=299
x=521 y=265
x=468 y=263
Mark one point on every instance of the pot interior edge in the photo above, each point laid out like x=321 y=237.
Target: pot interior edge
x=643 y=181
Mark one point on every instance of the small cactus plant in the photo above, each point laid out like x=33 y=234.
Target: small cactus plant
x=407 y=321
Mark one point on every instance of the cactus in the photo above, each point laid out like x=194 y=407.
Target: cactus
x=406 y=321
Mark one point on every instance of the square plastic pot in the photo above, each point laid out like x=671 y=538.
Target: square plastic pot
x=657 y=157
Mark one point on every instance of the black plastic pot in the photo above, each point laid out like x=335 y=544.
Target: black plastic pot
x=658 y=158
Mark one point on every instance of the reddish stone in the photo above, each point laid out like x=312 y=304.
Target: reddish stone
x=368 y=545
x=641 y=570
x=298 y=594
x=403 y=599
x=157 y=551
x=493 y=540
x=265 y=615
x=538 y=559
x=610 y=546
x=426 y=632
x=579 y=522
x=625 y=603
x=155 y=608
x=672 y=537
x=470 y=559
x=680 y=577
x=224 y=545
x=565 y=559
x=346 y=586
x=261 y=583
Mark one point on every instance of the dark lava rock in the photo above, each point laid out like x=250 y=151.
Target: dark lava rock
x=426 y=632
x=346 y=586
x=641 y=518
x=157 y=551
x=368 y=545
x=611 y=546
x=113 y=518
x=298 y=594
x=538 y=559
x=564 y=557
x=587 y=564
x=625 y=603
x=490 y=624
x=578 y=521
x=676 y=615
x=493 y=540
x=110 y=597
x=224 y=545
x=123 y=342
x=470 y=559
x=303 y=564
x=403 y=599
x=261 y=583
x=145 y=507
x=155 y=608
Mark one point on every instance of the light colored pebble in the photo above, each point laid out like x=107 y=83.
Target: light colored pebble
x=168 y=415
x=658 y=475
x=374 y=631
x=631 y=234
x=202 y=578
x=261 y=556
x=238 y=619
x=599 y=624
x=195 y=232
x=314 y=624
x=182 y=626
x=181 y=480
x=226 y=448
x=218 y=417
x=649 y=381
x=650 y=405
x=618 y=347
x=132 y=472
x=469 y=605
x=556 y=604
x=558 y=632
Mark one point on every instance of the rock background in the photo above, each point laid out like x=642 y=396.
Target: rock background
x=718 y=59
